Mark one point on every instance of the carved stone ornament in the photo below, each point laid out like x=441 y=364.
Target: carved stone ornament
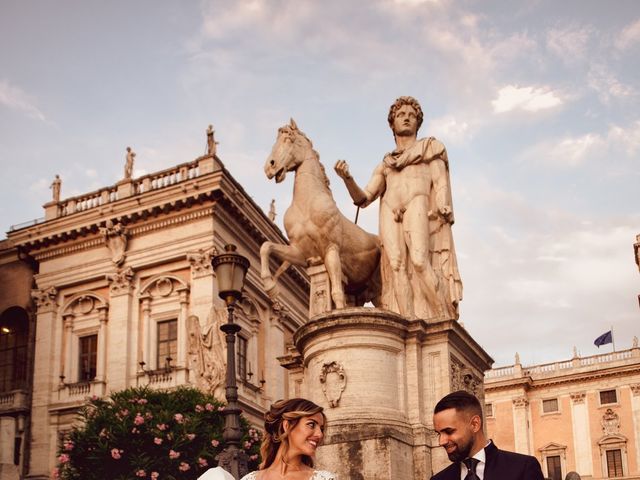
x=121 y=281
x=200 y=262
x=462 y=378
x=45 y=298
x=520 y=402
x=578 y=397
x=115 y=238
x=635 y=389
x=610 y=422
x=334 y=381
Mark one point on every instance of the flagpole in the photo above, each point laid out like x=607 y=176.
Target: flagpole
x=613 y=341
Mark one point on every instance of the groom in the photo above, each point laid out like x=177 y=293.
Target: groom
x=457 y=420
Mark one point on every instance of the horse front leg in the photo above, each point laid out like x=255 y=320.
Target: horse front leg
x=334 y=269
x=289 y=254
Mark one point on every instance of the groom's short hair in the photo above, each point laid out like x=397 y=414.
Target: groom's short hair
x=461 y=401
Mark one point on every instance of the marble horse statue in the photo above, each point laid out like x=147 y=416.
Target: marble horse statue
x=317 y=230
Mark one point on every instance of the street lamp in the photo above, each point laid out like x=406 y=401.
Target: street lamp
x=230 y=269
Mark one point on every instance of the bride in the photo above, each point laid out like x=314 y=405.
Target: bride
x=293 y=431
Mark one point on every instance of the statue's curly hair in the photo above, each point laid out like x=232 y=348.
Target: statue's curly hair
x=291 y=410
x=400 y=101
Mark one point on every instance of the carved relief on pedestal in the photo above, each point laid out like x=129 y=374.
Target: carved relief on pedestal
x=463 y=378
x=121 y=281
x=115 y=238
x=635 y=389
x=578 y=397
x=520 y=402
x=45 y=298
x=610 y=423
x=200 y=262
x=334 y=380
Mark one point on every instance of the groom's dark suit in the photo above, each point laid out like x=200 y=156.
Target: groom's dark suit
x=500 y=465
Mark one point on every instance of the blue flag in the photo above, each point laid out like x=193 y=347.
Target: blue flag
x=604 y=339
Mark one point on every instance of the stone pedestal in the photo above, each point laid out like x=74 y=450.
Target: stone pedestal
x=378 y=376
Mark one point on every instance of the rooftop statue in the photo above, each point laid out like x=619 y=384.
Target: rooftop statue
x=416 y=215
x=128 y=166
x=316 y=228
x=55 y=188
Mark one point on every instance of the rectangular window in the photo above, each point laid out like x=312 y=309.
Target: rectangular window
x=554 y=468
x=550 y=405
x=488 y=409
x=88 y=357
x=167 y=343
x=608 y=396
x=241 y=357
x=614 y=463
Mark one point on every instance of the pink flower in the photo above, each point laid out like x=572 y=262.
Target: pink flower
x=221 y=409
x=103 y=433
x=55 y=473
x=184 y=467
x=139 y=420
x=154 y=475
x=247 y=445
x=209 y=407
x=179 y=417
x=63 y=458
x=253 y=457
x=215 y=442
x=173 y=454
x=157 y=440
x=148 y=416
x=199 y=408
x=191 y=436
x=116 y=454
x=68 y=445
x=143 y=401
x=135 y=430
x=141 y=473
x=124 y=412
x=161 y=426
x=203 y=462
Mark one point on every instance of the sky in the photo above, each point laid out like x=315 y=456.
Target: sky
x=537 y=102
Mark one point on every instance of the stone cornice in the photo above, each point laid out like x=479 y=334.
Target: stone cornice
x=596 y=374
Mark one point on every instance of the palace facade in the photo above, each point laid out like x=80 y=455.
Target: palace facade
x=115 y=289
x=580 y=415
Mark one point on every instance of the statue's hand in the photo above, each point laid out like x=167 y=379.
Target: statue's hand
x=342 y=169
x=446 y=212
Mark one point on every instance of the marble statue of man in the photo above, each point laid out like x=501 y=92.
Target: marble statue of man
x=211 y=143
x=416 y=215
x=128 y=166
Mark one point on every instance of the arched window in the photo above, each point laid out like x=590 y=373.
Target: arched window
x=14 y=337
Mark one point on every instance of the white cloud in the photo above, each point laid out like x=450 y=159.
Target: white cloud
x=601 y=79
x=450 y=130
x=16 y=99
x=630 y=35
x=531 y=99
x=572 y=151
x=570 y=43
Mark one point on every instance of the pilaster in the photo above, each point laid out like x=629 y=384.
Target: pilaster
x=121 y=334
x=43 y=376
x=521 y=425
x=581 y=433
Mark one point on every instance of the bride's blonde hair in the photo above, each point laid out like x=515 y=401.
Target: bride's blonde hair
x=291 y=410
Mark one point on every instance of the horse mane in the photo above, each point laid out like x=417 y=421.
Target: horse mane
x=288 y=130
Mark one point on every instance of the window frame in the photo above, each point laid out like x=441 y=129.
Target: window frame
x=92 y=355
x=162 y=362
x=550 y=412
x=615 y=393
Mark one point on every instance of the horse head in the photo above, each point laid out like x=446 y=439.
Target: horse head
x=285 y=155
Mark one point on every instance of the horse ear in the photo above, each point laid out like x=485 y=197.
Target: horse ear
x=293 y=125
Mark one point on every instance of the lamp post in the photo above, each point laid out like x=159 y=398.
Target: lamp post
x=230 y=269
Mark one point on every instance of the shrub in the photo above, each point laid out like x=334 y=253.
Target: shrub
x=144 y=433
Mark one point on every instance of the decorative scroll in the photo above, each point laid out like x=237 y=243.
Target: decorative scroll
x=200 y=262
x=463 y=378
x=45 y=298
x=121 y=281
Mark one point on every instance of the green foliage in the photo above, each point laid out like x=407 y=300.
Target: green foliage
x=144 y=433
